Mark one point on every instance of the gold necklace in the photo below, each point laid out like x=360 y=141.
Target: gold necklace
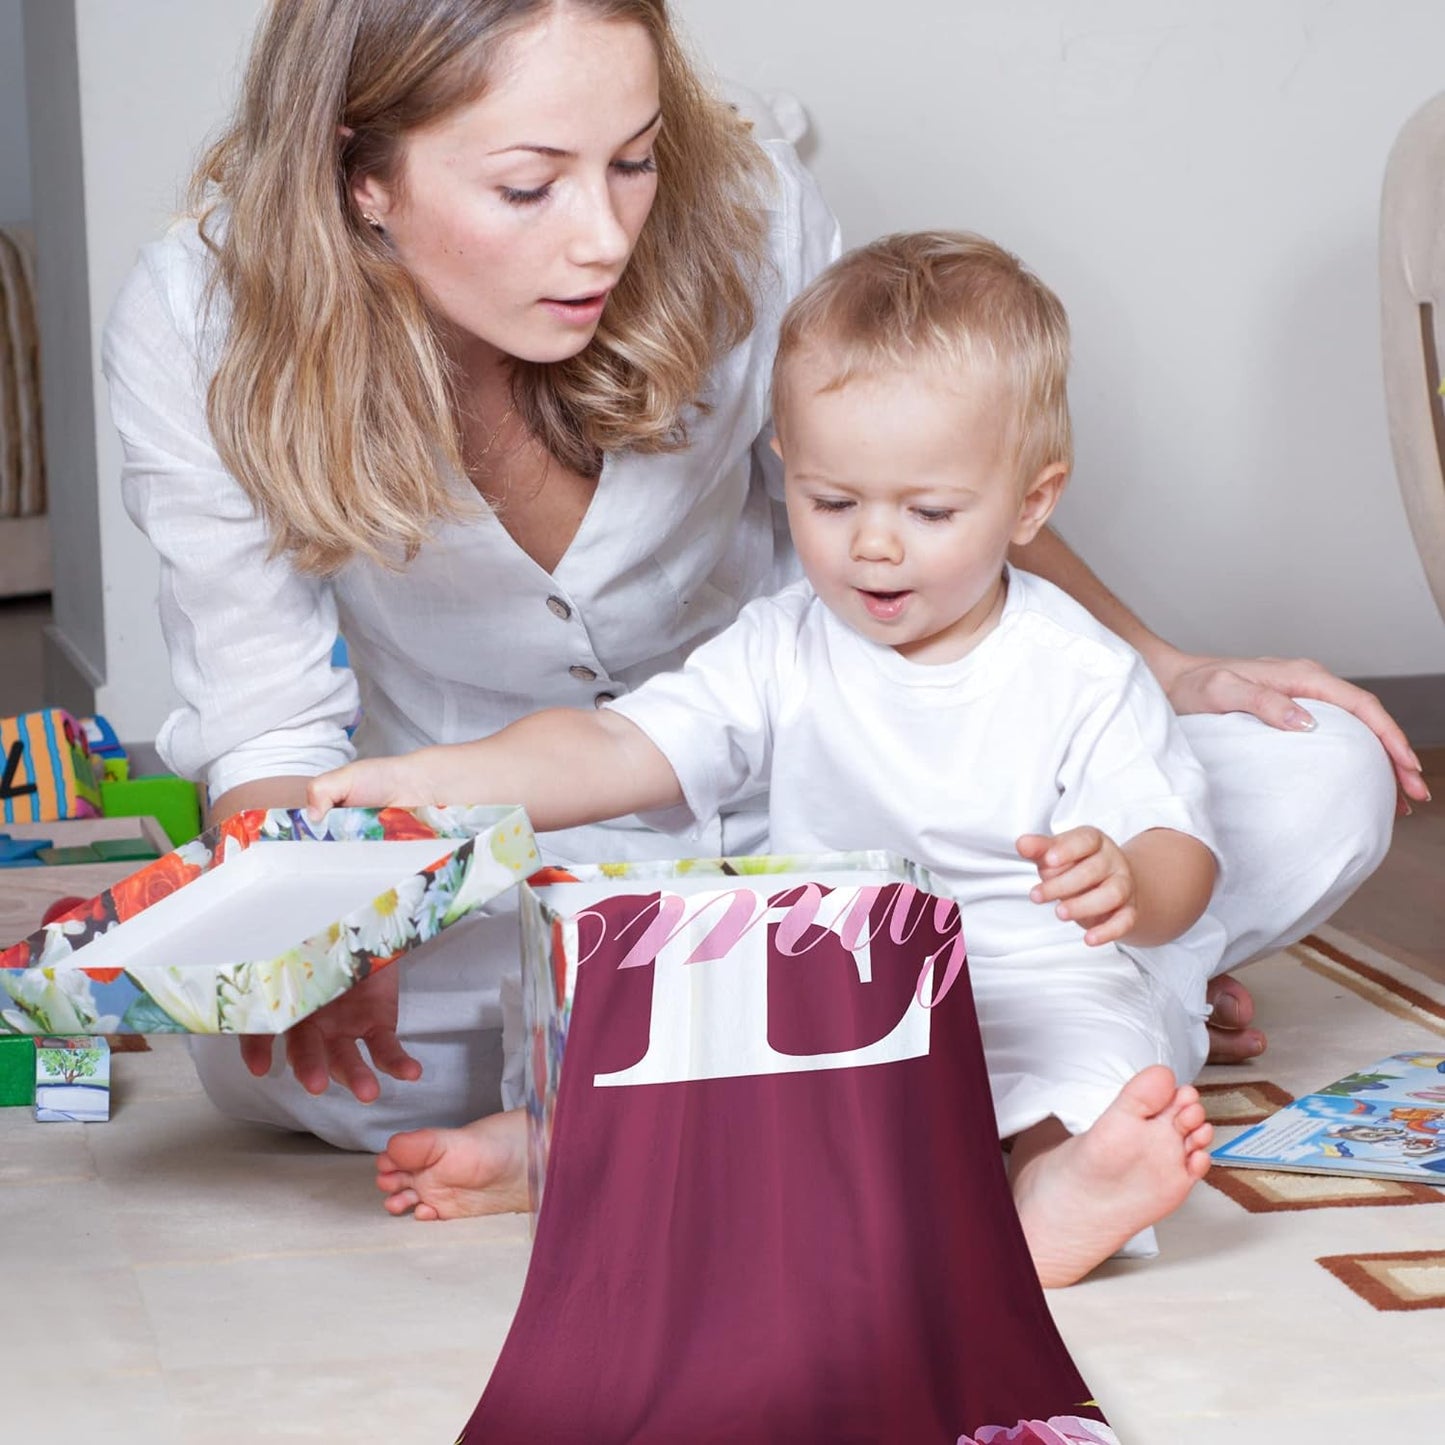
x=476 y=469
x=496 y=432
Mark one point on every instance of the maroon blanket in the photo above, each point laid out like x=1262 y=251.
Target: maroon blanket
x=822 y=1256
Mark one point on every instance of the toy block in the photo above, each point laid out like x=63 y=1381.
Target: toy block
x=17 y=1069
x=46 y=769
x=123 y=850
x=72 y=1080
x=22 y=852
x=101 y=737
x=59 y=857
x=173 y=802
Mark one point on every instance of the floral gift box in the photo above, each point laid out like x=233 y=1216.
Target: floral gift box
x=261 y=920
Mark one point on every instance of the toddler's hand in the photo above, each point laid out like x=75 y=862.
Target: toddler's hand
x=1086 y=875
x=400 y=782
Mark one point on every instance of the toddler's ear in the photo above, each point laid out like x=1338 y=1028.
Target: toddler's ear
x=1039 y=502
x=776 y=445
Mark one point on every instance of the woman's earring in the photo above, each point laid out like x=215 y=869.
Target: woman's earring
x=371 y=220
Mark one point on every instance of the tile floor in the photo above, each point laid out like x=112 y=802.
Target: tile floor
x=180 y=1278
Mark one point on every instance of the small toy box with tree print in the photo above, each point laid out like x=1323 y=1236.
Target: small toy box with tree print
x=72 y=1080
x=261 y=920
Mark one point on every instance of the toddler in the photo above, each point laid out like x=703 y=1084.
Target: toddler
x=918 y=694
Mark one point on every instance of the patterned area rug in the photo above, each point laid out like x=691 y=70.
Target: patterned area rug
x=1284 y=1307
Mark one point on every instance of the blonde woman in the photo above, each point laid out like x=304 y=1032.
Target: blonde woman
x=466 y=356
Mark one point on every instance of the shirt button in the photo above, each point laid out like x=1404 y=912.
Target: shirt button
x=583 y=674
x=603 y=698
x=559 y=608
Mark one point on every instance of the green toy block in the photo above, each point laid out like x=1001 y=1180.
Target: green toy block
x=123 y=850
x=58 y=857
x=17 y=1069
x=173 y=802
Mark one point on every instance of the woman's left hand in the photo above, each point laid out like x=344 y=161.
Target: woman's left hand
x=1268 y=686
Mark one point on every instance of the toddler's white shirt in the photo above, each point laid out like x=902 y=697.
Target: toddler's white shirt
x=1050 y=722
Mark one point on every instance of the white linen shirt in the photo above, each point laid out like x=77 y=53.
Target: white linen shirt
x=473 y=633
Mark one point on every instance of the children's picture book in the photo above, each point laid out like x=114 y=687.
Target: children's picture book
x=1385 y=1122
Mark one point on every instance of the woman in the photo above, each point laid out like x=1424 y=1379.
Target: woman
x=468 y=357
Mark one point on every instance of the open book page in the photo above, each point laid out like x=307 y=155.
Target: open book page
x=1386 y=1122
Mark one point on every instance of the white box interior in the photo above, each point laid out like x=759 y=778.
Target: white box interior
x=255 y=907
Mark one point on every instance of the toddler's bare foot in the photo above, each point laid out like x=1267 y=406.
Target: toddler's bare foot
x=454 y=1173
x=1080 y=1198
x=1231 y=1040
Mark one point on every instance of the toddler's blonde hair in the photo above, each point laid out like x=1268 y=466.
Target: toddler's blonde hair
x=946 y=301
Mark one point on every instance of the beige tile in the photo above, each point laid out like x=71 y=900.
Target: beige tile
x=246 y=1189
x=1330 y=1421
x=79 y=1334
x=86 y=1405
x=64 y=1228
x=32 y=1153
x=396 y=1397
x=288 y=1309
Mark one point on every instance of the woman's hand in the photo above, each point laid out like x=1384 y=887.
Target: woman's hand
x=1267 y=686
x=325 y=1045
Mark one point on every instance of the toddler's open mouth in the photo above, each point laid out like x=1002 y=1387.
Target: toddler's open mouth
x=884 y=606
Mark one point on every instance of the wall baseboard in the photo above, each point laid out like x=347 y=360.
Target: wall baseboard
x=69 y=682
x=1416 y=703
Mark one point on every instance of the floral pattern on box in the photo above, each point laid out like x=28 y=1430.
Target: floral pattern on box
x=45 y=988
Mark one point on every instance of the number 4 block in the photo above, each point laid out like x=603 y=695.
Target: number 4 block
x=47 y=770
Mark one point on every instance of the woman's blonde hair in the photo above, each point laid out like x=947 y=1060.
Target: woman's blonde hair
x=333 y=403
x=948 y=301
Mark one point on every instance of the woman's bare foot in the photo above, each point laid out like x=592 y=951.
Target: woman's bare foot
x=1231 y=1040
x=1080 y=1197
x=453 y=1173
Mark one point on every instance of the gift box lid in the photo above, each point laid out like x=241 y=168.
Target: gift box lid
x=261 y=920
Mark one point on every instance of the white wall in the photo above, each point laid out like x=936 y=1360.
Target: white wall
x=1200 y=183
x=148 y=82
x=14 y=128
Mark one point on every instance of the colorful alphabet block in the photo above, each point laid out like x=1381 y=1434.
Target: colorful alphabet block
x=101 y=737
x=72 y=1079
x=47 y=770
